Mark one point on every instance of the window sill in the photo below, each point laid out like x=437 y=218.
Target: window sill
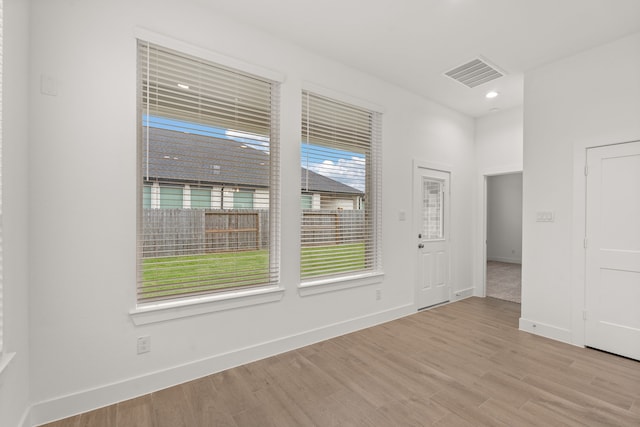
x=320 y=286
x=5 y=360
x=168 y=310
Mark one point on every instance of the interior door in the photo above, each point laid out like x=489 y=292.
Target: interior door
x=612 y=296
x=432 y=213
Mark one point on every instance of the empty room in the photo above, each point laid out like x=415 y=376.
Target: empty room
x=288 y=213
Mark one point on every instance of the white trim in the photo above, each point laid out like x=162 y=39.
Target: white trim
x=144 y=314
x=341 y=97
x=461 y=294
x=5 y=359
x=218 y=58
x=320 y=286
x=442 y=167
x=108 y=394
x=545 y=330
x=507 y=260
x=481 y=263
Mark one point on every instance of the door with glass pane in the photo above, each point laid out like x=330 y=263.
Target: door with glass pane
x=432 y=220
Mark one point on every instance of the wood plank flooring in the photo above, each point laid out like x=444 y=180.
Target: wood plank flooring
x=463 y=364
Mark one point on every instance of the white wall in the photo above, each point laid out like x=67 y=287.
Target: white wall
x=14 y=380
x=82 y=260
x=498 y=145
x=586 y=100
x=504 y=218
x=499 y=142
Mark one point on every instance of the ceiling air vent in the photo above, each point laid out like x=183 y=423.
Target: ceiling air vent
x=475 y=73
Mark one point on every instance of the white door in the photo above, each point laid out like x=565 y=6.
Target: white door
x=432 y=217
x=612 y=297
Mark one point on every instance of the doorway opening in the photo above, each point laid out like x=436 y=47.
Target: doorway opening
x=503 y=251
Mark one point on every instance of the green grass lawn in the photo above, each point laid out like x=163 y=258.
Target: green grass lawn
x=324 y=260
x=169 y=276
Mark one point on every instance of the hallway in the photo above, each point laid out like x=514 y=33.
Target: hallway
x=504 y=281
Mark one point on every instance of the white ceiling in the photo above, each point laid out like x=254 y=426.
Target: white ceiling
x=411 y=43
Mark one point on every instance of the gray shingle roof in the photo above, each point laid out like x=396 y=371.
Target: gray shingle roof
x=200 y=159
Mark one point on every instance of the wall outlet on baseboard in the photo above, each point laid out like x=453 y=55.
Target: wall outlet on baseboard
x=463 y=293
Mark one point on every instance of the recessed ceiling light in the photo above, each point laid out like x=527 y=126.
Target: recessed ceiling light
x=491 y=94
x=183 y=86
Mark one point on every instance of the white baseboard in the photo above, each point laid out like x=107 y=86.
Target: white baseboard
x=462 y=294
x=545 y=330
x=108 y=394
x=507 y=260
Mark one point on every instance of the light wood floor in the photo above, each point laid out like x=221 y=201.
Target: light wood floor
x=463 y=364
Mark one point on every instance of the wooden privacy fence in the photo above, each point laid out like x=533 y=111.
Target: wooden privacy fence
x=172 y=232
x=332 y=227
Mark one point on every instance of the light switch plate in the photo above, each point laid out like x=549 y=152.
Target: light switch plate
x=544 y=216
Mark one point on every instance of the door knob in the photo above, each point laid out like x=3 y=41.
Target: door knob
x=420 y=246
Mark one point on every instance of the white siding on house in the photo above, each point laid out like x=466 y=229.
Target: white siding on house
x=186 y=197
x=261 y=199
x=332 y=203
x=216 y=198
x=155 y=196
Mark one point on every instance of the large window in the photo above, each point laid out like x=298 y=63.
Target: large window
x=340 y=168
x=208 y=180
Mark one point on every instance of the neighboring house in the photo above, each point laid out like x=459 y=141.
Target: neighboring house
x=186 y=170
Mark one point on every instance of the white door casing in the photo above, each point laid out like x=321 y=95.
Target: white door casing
x=431 y=202
x=612 y=288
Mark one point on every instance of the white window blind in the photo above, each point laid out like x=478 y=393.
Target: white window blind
x=340 y=231
x=208 y=138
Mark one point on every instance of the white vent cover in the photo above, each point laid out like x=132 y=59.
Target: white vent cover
x=475 y=73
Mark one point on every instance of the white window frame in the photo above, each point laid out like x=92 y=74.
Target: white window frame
x=148 y=313
x=322 y=285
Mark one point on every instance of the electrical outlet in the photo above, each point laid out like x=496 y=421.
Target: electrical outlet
x=144 y=344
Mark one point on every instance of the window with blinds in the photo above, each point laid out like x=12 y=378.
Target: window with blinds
x=340 y=192
x=208 y=182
